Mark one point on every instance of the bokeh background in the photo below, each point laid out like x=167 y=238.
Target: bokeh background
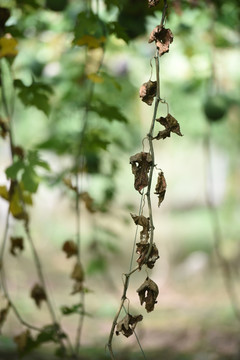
x=195 y=318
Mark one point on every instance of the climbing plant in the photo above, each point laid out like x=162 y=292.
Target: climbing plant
x=143 y=165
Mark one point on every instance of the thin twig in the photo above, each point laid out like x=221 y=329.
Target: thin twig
x=217 y=234
x=150 y=141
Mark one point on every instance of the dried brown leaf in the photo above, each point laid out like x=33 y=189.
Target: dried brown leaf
x=142 y=250
x=148 y=91
x=145 y=223
x=22 y=340
x=3 y=128
x=78 y=273
x=3 y=314
x=68 y=182
x=38 y=294
x=127 y=325
x=160 y=188
x=16 y=244
x=77 y=287
x=170 y=124
x=162 y=37
x=19 y=151
x=88 y=201
x=141 y=163
x=152 y=3
x=70 y=248
x=148 y=293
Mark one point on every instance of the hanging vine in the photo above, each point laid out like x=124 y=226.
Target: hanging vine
x=143 y=166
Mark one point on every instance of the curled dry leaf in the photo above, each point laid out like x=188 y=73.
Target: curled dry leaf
x=78 y=273
x=127 y=325
x=162 y=37
x=70 y=248
x=141 y=163
x=16 y=244
x=77 y=287
x=148 y=293
x=148 y=91
x=170 y=124
x=152 y=3
x=88 y=201
x=22 y=340
x=145 y=223
x=38 y=294
x=142 y=250
x=160 y=188
x=3 y=314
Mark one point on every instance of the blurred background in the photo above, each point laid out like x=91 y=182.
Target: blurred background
x=77 y=68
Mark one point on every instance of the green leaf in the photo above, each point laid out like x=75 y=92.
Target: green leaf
x=74 y=309
x=30 y=180
x=35 y=160
x=13 y=170
x=37 y=95
x=115 y=28
x=48 y=333
x=109 y=112
x=88 y=26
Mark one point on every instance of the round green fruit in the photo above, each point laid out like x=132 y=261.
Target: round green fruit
x=56 y=5
x=215 y=107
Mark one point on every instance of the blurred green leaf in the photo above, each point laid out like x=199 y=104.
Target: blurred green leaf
x=36 y=94
x=13 y=170
x=109 y=112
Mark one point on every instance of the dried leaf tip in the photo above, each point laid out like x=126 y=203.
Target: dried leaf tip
x=148 y=293
x=141 y=163
x=127 y=325
x=145 y=223
x=148 y=91
x=160 y=188
x=152 y=3
x=38 y=294
x=170 y=124
x=162 y=37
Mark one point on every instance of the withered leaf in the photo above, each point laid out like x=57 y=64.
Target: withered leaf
x=127 y=325
x=141 y=163
x=148 y=293
x=142 y=250
x=78 y=273
x=19 y=151
x=162 y=37
x=38 y=294
x=3 y=314
x=3 y=128
x=152 y=3
x=68 y=182
x=70 y=248
x=23 y=340
x=148 y=91
x=79 y=287
x=170 y=124
x=16 y=244
x=160 y=188
x=145 y=223
x=88 y=201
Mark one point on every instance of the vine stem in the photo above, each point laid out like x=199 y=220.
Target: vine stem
x=79 y=163
x=150 y=141
x=9 y=113
x=123 y=298
x=217 y=234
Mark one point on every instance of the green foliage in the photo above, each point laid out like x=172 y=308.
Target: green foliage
x=36 y=94
x=24 y=170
